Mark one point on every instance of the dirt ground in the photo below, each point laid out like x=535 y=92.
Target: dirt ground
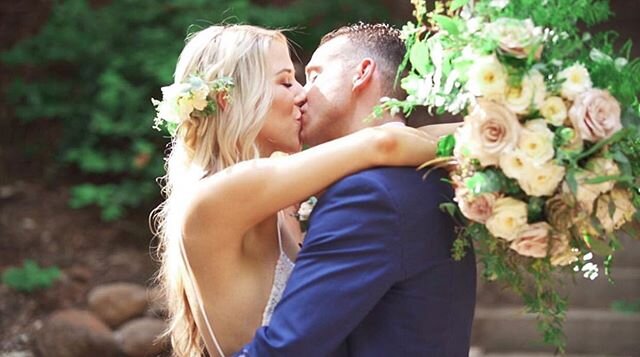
x=35 y=220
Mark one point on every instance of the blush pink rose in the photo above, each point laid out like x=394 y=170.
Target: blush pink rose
x=595 y=114
x=477 y=208
x=533 y=240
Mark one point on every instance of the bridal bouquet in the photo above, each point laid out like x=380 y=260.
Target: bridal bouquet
x=548 y=157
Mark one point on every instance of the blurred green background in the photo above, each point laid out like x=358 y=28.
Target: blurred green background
x=79 y=81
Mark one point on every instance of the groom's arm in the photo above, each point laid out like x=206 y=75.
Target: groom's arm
x=349 y=259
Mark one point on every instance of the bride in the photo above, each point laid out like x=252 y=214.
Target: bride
x=225 y=248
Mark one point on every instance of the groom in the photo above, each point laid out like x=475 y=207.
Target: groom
x=375 y=275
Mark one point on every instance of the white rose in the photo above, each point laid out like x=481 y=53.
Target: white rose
x=509 y=216
x=517 y=38
x=618 y=201
x=595 y=114
x=170 y=109
x=493 y=129
x=554 y=111
x=541 y=180
x=536 y=141
x=487 y=78
x=576 y=80
x=532 y=240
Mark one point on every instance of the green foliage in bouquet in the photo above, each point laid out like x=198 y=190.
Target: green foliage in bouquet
x=547 y=161
x=30 y=277
x=95 y=68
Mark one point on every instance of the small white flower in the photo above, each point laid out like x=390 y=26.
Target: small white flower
x=620 y=62
x=576 y=81
x=499 y=4
x=306 y=208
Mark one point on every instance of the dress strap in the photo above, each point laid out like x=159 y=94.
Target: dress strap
x=280 y=222
x=196 y=291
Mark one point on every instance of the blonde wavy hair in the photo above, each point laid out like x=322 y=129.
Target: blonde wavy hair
x=205 y=145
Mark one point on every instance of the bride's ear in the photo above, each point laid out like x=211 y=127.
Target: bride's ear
x=221 y=101
x=364 y=74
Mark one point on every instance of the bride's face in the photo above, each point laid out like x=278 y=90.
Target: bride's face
x=281 y=129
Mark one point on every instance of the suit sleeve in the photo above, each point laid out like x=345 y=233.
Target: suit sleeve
x=349 y=259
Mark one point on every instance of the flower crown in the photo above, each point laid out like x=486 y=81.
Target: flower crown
x=192 y=97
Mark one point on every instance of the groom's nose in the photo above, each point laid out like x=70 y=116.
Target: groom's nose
x=300 y=96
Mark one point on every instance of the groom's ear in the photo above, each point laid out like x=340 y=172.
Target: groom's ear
x=364 y=74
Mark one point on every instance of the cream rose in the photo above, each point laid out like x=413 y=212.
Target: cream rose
x=561 y=252
x=532 y=240
x=477 y=208
x=530 y=92
x=618 y=201
x=514 y=163
x=554 y=111
x=536 y=141
x=542 y=180
x=509 y=216
x=487 y=78
x=586 y=194
x=561 y=211
x=576 y=80
x=517 y=38
x=595 y=114
x=493 y=129
x=600 y=166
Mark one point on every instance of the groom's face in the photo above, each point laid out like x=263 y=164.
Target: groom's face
x=328 y=110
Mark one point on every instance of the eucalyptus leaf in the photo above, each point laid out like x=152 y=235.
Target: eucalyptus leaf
x=448 y=24
x=419 y=58
x=456 y=4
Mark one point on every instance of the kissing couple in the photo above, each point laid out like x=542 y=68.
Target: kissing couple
x=373 y=275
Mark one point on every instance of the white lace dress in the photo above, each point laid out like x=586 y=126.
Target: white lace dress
x=283 y=269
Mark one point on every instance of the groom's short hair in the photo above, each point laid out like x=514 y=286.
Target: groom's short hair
x=382 y=43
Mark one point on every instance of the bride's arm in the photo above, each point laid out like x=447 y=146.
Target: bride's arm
x=438 y=130
x=243 y=195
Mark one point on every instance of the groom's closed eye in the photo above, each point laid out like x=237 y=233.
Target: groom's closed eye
x=311 y=76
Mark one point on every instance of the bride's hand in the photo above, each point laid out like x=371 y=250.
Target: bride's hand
x=400 y=145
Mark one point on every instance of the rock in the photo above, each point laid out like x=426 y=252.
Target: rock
x=75 y=333
x=139 y=337
x=118 y=302
x=17 y=354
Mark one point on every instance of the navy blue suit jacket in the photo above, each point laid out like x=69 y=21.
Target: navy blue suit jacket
x=375 y=275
